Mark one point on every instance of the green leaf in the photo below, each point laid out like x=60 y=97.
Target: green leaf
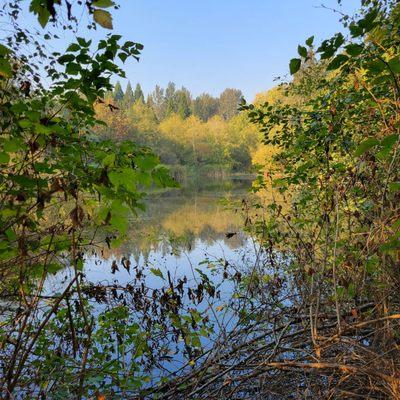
x=73 y=68
x=103 y=18
x=310 y=41
x=302 y=51
x=337 y=62
x=43 y=16
x=157 y=272
x=351 y=290
x=389 y=141
x=144 y=178
x=83 y=43
x=371 y=264
x=4 y=158
x=66 y=58
x=120 y=222
x=103 y=3
x=42 y=129
x=394 y=65
x=376 y=66
x=24 y=123
x=148 y=162
x=123 y=56
x=354 y=49
x=365 y=146
x=196 y=341
x=115 y=178
x=74 y=47
x=294 y=66
x=10 y=234
x=394 y=186
x=355 y=30
x=5 y=68
x=119 y=216
x=391 y=245
x=12 y=145
x=4 y=50
x=109 y=160
x=280 y=182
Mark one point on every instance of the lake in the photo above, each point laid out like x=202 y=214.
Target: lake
x=180 y=229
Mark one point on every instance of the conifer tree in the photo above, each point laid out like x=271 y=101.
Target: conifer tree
x=118 y=93
x=138 y=94
x=170 y=99
x=183 y=103
x=129 y=97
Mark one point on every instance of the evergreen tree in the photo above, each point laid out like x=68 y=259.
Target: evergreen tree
x=118 y=93
x=150 y=102
x=128 y=98
x=183 y=102
x=156 y=100
x=170 y=100
x=138 y=94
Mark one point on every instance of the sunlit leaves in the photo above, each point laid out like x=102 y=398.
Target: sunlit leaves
x=5 y=68
x=157 y=272
x=5 y=65
x=103 y=3
x=4 y=50
x=109 y=160
x=103 y=18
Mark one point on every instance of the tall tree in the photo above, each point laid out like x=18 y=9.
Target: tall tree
x=129 y=97
x=150 y=102
x=118 y=94
x=138 y=94
x=183 y=102
x=170 y=100
x=205 y=106
x=157 y=102
x=228 y=102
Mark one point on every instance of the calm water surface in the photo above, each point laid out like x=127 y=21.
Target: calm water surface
x=184 y=232
x=180 y=229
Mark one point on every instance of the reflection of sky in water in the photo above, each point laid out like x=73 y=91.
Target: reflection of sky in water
x=180 y=232
x=179 y=265
x=177 y=233
x=180 y=229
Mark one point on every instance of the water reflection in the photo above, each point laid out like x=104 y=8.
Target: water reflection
x=178 y=231
x=198 y=215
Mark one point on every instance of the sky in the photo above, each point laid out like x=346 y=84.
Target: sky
x=209 y=45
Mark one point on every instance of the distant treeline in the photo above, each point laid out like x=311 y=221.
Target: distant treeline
x=168 y=101
x=188 y=133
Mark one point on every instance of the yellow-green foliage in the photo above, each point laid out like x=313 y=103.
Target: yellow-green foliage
x=185 y=141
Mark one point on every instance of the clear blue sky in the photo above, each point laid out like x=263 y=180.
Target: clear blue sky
x=208 y=45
